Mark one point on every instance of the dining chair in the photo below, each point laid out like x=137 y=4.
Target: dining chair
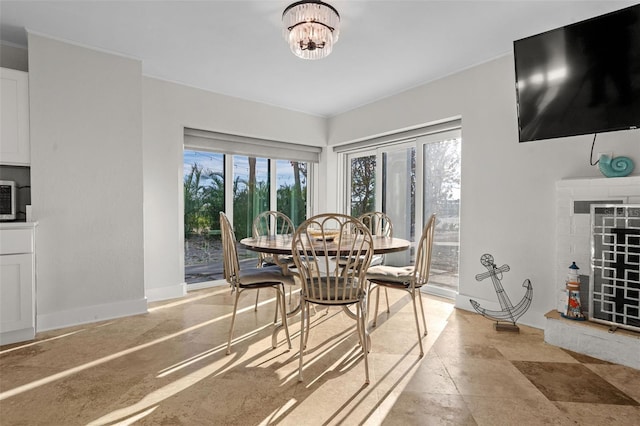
x=379 y=223
x=269 y=223
x=409 y=278
x=250 y=278
x=316 y=243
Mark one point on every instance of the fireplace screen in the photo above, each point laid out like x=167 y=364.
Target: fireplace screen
x=614 y=290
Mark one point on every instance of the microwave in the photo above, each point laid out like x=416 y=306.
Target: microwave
x=7 y=200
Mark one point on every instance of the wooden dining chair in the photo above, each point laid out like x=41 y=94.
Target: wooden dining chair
x=409 y=278
x=250 y=278
x=315 y=246
x=270 y=223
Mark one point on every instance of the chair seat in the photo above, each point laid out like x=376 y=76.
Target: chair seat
x=395 y=275
x=319 y=288
x=263 y=277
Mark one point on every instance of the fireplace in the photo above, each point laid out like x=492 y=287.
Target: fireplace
x=609 y=288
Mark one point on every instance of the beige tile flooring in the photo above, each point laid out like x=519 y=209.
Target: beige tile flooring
x=168 y=367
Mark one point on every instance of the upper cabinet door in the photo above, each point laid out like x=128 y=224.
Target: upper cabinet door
x=14 y=139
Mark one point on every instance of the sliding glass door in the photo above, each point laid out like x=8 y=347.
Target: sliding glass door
x=409 y=181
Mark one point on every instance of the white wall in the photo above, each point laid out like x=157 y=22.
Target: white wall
x=86 y=183
x=104 y=139
x=508 y=188
x=167 y=109
x=106 y=177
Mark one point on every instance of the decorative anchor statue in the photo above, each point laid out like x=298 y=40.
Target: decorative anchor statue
x=509 y=313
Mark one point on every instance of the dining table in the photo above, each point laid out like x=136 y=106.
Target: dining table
x=280 y=245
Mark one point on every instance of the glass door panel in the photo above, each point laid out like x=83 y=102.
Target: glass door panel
x=441 y=182
x=398 y=196
x=362 y=175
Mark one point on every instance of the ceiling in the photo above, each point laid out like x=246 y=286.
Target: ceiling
x=236 y=47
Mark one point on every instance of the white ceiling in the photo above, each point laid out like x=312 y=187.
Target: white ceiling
x=236 y=47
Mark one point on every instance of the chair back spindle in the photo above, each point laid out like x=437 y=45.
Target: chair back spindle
x=231 y=265
x=423 y=254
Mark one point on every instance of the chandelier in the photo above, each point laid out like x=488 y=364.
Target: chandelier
x=311 y=28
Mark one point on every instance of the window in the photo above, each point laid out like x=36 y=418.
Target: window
x=241 y=176
x=250 y=192
x=203 y=191
x=242 y=187
x=291 y=195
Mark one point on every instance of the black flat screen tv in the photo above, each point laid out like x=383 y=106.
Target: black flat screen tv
x=580 y=79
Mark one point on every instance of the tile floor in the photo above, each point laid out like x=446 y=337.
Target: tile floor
x=168 y=367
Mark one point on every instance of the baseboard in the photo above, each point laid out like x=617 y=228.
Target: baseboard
x=15 y=336
x=205 y=284
x=89 y=314
x=440 y=291
x=165 y=293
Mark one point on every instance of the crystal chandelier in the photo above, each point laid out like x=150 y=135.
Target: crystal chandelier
x=311 y=28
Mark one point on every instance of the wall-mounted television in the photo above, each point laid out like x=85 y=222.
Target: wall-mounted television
x=580 y=79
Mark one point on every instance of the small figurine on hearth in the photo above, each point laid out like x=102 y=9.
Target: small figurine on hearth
x=573 y=308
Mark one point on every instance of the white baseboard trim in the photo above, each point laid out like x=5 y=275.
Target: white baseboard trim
x=89 y=314
x=205 y=284
x=440 y=291
x=14 y=336
x=164 y=293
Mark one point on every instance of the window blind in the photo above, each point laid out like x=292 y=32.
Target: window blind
x=203 y=140
x=399 y=136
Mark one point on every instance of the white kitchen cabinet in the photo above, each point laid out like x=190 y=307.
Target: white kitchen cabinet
x=17 y=282
x=14 y=136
